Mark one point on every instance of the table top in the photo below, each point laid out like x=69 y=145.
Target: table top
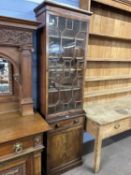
x=108 y=112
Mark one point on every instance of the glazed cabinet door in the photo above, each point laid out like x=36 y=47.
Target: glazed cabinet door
x=63 y=147
x=21 y=166
x=66 y=56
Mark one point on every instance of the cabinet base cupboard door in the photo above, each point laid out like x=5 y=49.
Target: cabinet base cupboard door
x=64 y=147
x=21 y=166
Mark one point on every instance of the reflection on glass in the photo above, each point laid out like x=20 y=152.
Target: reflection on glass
x=68 y=48
x=66 y=63
x=54 y=48
x=5 y=77
x=53 y=21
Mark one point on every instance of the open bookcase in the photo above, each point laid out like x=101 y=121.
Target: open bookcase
x=108 y=73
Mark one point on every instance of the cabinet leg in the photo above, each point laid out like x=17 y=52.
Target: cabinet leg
x=37 y=164
x=97 y=152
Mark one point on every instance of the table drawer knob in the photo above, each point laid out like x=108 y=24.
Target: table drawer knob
x=57 y=125
x=117 y=126
x=18 y=147
x=76 y=121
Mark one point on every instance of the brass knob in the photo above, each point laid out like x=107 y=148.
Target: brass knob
x=117 y=126
x=18 y=147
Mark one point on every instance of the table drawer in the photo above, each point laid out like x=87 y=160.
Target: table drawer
x=116 y=128
x=20 y=145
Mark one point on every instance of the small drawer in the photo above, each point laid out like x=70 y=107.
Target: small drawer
x=68 y=123
x=116 y=127
x=20 y=145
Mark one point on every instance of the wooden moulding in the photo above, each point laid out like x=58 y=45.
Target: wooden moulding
x=12 y=22
x=61 y=5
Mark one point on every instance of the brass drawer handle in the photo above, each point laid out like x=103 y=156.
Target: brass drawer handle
x=18 y=147
x=117 y=126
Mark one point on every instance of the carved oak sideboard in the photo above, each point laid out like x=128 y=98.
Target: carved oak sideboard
x=20 y=128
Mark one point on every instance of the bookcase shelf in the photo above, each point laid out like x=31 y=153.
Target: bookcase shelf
x=107 y=92
x=106 y=78
x=108 y=60
x=110 y=36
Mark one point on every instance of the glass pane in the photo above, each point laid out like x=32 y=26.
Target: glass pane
x=5 y=77
x=69 y=24
x=62 y=24
x=76 y=26
x=54 y=49
x=83 y=26
x=53 y=21
x=68 y=47
x=66 y=63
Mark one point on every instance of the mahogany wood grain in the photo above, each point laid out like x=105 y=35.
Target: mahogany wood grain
x=62 y=154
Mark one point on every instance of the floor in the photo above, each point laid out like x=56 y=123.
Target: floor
x=116 y=158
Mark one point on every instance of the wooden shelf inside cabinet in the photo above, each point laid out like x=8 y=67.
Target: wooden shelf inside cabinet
x=108 y=60
x=54 y=57
x=106 y=78
x=107 y=92
x=66 y=37
x=63 y=90
x=66 y=69
x=110 y=36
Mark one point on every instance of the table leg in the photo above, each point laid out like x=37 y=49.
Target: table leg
x=97 y=152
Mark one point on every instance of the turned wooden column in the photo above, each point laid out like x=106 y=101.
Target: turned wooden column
x=26 y=102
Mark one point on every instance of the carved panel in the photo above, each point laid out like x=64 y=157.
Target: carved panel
x=15 y=37
x=18 y=170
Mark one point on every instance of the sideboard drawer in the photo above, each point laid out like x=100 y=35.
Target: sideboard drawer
x=116 y=127
x=20 y=145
